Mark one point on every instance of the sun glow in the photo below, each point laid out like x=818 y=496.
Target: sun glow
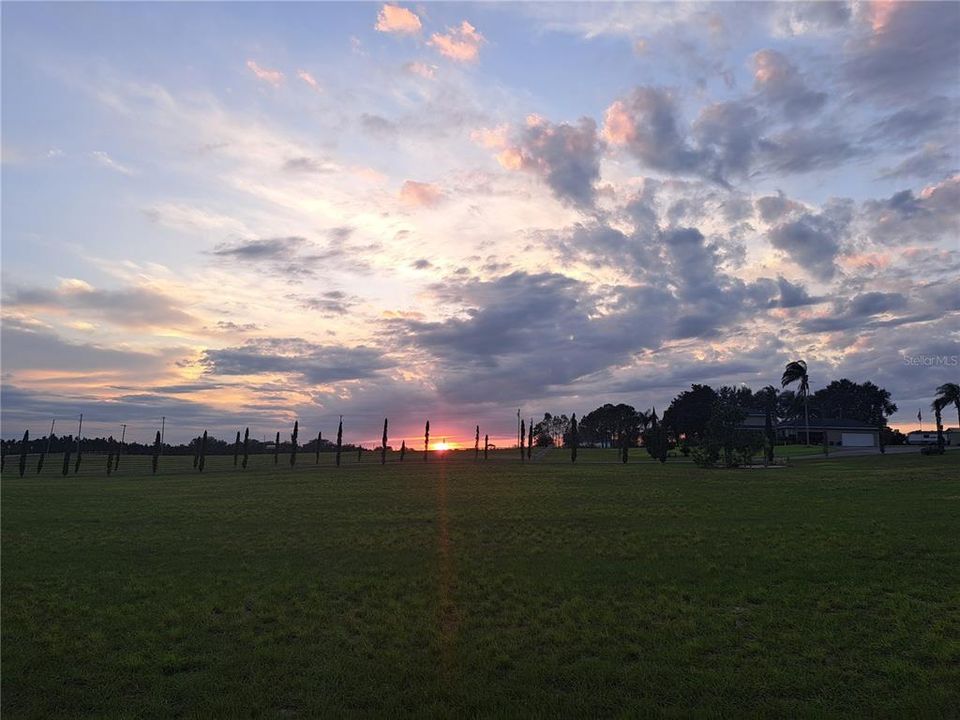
x=443 y=446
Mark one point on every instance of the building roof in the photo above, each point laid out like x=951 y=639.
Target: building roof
x=826 y=424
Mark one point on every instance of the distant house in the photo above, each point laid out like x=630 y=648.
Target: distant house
x=754 y=420
x=843 y=432
x=951 y=436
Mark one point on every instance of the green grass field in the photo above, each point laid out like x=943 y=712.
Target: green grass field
x=448 y=589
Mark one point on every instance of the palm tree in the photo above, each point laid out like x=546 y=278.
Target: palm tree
x=796 y=372
x=949 y=394
x=938 y=406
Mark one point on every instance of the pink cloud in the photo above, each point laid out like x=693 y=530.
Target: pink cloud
x=309 y=79
x=274 y=77
x=396 y=19
x=420 y=194
x=618 y=125
x=460 y=43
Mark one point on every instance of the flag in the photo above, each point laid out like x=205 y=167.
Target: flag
x=919 y=417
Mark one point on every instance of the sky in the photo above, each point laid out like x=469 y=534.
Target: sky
x=243 y=214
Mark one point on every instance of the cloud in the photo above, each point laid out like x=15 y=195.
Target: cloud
x=812 y=241
x=378 y=125
x=906 y=217
x=855 y=312
x=108 y=162
x=265 y=249
x=774 y=207
x=421 y=69
x=566 y=157
x=132 y=307
x=396 y=19
x=310 y=165
x=420 y=194
x=805 y=149
x=273 y=77
x=309 y=79
x=314 y=363
x=903 y=49
x=459 y=43
x=933 y=160
x=777 y=80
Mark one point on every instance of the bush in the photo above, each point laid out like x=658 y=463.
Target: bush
x=705 y=456
x=931 y=450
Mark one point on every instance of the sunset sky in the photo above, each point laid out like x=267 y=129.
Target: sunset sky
x=242 y=214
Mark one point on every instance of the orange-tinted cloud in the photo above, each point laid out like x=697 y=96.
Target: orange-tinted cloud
x=420 y=194
x=460 y=43
x=396 y=19
x=309 y=79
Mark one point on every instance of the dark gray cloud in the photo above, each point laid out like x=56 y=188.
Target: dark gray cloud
x=778 y=82
x=131 y=307
x=905 y=217
x=309 y=165
x=855 y=312
x=805 y=149
x=565 y=156
x=932 y=161
x=910 y=126
x=294 y=356
x=813 y=241
x=330 y=303
x=774 y=207
x=263 y=249
x=903 y=49
x=378 y=125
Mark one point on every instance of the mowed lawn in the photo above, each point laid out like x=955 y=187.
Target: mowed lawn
x=449 y=589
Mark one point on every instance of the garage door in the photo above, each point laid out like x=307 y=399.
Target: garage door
x=856 y=439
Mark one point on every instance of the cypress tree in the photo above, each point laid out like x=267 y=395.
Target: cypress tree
x=276 y=449
x=523 y=435
x=236 y=449
x=155 y=460
x=383 y=443
x=486 y=445
x=530 y=439
x=203 y=451
x=66 y=461
x=426 y=441
x=23 y=452
x=339 y=439
x=574 y=438
x=196 y=452
x=293 y=443
x=403 y=449
x=109 y=463
x=319 y=439
x=476 y=445
x=246 y=447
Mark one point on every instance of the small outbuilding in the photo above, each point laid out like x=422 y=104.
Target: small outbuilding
x=843 y=432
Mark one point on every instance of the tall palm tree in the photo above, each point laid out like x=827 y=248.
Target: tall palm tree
x=938 y=406
x=796 y=372
x=949 y=394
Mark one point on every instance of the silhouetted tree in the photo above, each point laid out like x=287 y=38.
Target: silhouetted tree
x=246 y=447
x=770 y=438
x=403 y=449
x=196 y=453
x=319 y=440
x=949 y=394
x=476 y=445
x=236 y=449
x=339 y=439
x=23 y=452
x=486 y=446
x=426 y=440
x=523 y=435
x=574 y=438
x=66 y=461
x=796 y=372
x=359 y=453
x=655 y=439
x=155 y=460
x=276 y=449
x=530 y=439
x=383 y=444
x=624 y=445
x=293 y=443
x=203 y=450
x=109 y=463
x=937 y=406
